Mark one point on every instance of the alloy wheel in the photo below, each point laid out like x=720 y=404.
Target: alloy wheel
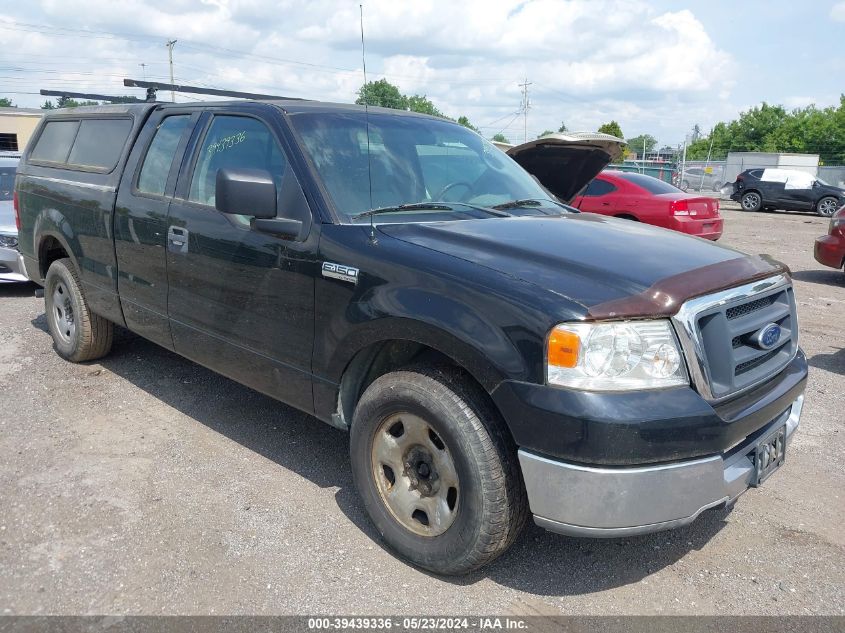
x=750 y=201
x=827 y=206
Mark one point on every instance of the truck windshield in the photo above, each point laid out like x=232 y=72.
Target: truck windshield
x=413 y=161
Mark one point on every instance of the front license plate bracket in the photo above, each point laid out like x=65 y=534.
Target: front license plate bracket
x=769 y=455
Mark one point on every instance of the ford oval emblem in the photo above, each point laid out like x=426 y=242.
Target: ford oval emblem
x=768 y=336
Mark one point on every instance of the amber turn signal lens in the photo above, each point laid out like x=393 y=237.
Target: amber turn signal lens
x=563 y=348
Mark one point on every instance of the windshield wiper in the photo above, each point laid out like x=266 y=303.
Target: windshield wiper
x=417 y=206
x=524 y=202
x=427 y=206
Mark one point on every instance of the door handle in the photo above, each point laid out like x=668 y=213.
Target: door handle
x=177 y=239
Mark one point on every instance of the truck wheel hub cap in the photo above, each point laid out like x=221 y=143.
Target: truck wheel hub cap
x=415 y=474
x=63 y=313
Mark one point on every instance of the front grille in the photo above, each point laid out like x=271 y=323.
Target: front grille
x=748 y=308
x=721 y=332
x=755 y=362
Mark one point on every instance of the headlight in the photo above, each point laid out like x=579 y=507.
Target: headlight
x=615 y=356
x=8 y=241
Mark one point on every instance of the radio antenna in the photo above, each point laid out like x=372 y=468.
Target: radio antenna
x=367 y=124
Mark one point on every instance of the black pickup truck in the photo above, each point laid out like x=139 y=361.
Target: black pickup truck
x=493 y=353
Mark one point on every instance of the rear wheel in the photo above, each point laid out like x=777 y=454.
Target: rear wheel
x=436 y=469
x=751 y=201
x=78 y=333
x=827 y=206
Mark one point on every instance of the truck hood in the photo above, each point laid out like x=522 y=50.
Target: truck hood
x=586 y=258
x=565 y=163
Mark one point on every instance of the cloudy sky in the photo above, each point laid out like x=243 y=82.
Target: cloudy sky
x=657 y=67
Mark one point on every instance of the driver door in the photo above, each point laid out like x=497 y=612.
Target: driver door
x=240 y=301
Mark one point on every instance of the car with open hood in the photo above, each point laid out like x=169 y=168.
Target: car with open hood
x=566 y=163
x=572 y=168
x=492 y=353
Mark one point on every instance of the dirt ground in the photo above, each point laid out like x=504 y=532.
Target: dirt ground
x=145 y=484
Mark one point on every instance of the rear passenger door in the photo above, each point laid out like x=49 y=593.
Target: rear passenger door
x=241 y=301
x=140 y=225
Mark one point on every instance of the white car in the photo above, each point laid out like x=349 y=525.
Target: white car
x=11 y=266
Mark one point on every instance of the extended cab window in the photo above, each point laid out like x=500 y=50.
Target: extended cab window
x=599 y=187
x=54 y=143
x=234 y=142
x=99 y=143
x=157 y=162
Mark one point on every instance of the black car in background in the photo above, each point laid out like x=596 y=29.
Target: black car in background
x=791 y=190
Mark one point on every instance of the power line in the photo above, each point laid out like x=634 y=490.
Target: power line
x=199 y=46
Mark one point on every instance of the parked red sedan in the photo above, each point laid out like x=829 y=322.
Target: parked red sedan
x=647 y=199
x=830 y=249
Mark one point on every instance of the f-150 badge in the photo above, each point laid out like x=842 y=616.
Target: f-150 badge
x=339 y=271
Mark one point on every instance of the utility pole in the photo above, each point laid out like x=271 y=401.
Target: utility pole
x=143 y=70
x=170 y=44
x=525 y=106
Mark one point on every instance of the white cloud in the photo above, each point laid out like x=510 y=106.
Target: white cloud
x=588 y=60
x=837 y=12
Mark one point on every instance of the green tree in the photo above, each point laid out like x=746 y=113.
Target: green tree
x=6 y=103
x=48 y=105
x=637 y=143
x=462 y=120
x=421 y=104
x=562 y=129
x=611 y=128
x=544 y=133
x=382 y=93
x=500 y=138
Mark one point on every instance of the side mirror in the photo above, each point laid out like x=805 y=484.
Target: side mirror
x=249 y=192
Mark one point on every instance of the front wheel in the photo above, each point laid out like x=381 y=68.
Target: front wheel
x=436 y=469
x=827 y=206
x=78 y=333
x=751 y=201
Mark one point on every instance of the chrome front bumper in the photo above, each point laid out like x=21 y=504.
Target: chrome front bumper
x=11 y=266
x=613 y=502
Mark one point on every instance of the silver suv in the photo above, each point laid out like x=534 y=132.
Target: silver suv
x=11 y=267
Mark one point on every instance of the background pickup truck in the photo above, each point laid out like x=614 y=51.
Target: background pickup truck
x=492 y=352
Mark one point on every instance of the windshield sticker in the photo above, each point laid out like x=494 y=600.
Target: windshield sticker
x=227 y=142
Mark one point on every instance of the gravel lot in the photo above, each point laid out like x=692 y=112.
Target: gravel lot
x=145 y=484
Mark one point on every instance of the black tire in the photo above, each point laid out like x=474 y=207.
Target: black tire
x=78 y=334
x=624 y=216
x=827 y=206
x=751 y=201
x=490 y=503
